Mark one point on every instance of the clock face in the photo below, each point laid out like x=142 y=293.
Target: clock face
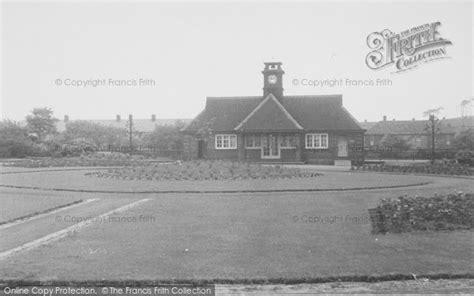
x=272 y=79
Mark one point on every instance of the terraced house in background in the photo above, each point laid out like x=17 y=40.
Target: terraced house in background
x=275 y=127
x=416 y=133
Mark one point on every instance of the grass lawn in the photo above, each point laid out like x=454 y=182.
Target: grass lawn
x=248 y=236
x=15 y=204
x=77 y=180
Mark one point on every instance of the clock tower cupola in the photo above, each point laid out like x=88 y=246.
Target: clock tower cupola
x=273 y=80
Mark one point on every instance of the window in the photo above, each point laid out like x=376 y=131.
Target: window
x=287 y=141
x=324 y=141
x=226 y=141
x=284 y=141
x=316 y=141
x=252 y=141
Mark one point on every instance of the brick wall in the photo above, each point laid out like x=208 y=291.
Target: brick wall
x=190 y=147
x=325 y=156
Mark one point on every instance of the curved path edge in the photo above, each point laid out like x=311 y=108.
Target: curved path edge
x=216 y=191
x=255 y=281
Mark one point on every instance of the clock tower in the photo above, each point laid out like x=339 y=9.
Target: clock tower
x=272 y=80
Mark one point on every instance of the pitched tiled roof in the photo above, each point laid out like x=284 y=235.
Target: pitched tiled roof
x=460 y=123
x=406 y=127
x=367 y=124
x=223 y=114
x=269 y=115
x=324 y=113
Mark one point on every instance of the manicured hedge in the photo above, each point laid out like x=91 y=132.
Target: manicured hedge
x=406 y=214
x=437 y=168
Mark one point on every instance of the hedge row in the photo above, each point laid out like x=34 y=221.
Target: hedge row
x=112 y=159
x=437 y=168
x=406 y=214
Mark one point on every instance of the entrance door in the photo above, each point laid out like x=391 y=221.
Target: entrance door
x=201 y=145
x=342 y=147
x=270 y=147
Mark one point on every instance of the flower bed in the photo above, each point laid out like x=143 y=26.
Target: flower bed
x=437 y=168
x=99 y=159
x=203 y=170
x=405 y=213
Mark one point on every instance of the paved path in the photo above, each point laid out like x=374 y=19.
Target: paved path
x=77 y=180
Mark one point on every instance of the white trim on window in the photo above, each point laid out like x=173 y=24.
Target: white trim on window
x=287 y=141
x=253 y=142
x=225 y=141
x=316 y=141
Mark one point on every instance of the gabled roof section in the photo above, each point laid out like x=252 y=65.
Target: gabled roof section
x=223 y=113
x=269 y=115
x=310 y=113
x=321 y=113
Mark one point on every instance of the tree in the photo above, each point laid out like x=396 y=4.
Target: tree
x=465 y=140
x=98 y=134
x=395 y=142
x=41 y=122
x=434 y=111
x=433 y=129
x=179 y=124
x=167 y=137
x=14 y=140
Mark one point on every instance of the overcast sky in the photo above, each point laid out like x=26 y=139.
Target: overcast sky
x=194 y=50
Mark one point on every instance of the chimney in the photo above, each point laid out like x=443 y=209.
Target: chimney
x=385 y=118
x=66 y=118
x=117 y=118
x=365 y=120
x=130 y=117
x=153 y=117
x=413 y=119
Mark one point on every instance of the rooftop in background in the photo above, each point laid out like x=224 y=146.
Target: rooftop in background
x=367 y=124
x=141 y=125
x=406 y=127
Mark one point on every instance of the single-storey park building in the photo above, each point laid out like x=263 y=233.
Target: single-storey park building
x=275 y=127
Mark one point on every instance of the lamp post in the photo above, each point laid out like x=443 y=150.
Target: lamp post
x=433 y=134
x=130 y=133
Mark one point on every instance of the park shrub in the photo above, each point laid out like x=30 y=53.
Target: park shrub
x=440 y=212
x=441 y=168
x=465 y=157
x=89 y=160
